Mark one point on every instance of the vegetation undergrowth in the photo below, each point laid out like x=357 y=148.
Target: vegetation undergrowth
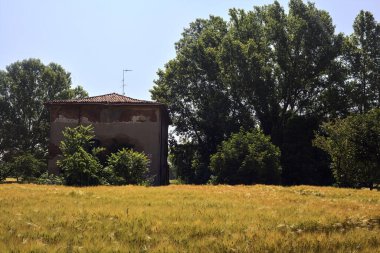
x=185 y=218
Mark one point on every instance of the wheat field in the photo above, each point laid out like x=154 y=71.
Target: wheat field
x=184 y=218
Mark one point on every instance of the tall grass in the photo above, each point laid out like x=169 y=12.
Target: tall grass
x=184 y=218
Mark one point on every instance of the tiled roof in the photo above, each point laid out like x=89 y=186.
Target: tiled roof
x=112 y=98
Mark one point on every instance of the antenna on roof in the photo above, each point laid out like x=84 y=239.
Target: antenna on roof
x=125 y=70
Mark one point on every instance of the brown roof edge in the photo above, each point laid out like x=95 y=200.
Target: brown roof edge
x=111 y=98
x=101 y=103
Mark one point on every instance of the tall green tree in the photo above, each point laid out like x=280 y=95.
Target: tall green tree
x=362 y=54
x=287 y=63
x=203 y=108
x=24 y=88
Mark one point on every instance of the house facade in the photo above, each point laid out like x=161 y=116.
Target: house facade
x=119 y=121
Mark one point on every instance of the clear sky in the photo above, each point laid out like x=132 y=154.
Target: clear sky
x=96 y=39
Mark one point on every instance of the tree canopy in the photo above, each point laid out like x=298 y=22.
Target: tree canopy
x=362 y=57
x=246 y=158
x=354 y=146
x=24 y=88
x=281 y=70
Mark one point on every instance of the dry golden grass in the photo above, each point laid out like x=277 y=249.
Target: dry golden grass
x=184 y=218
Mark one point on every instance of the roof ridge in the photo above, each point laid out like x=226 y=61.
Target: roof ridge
x=113 y=93
x=105 y=98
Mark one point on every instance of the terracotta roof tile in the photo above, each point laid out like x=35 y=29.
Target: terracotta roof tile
x=112 y=98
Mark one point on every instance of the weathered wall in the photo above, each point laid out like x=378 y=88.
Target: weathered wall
x=139 y=126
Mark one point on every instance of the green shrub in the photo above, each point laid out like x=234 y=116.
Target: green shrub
x=26 y=167
x=187 y=163
x=81 y=168
x=4 y=171
x=246 y=158
x=80 y=165
x=51 y=179
x=180 y=161
x=129 y=167
x=353 y=144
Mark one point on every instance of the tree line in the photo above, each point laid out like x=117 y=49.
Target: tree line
x=284 y=72
x=266 y=97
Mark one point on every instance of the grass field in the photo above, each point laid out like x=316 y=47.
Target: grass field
x=180 y=218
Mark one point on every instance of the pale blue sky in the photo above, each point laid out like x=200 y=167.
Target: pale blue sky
x=95 y=40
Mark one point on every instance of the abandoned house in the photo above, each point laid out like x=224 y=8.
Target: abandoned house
x=119 y=121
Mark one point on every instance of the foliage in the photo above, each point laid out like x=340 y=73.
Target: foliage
x=50 y=179
x=26 y=167
x=24 y=88
x=40 y=218
x=246 y=158
x=263 y=65
x=4 y=171
x=301 y=162
x=354 y=146
x=75 y=93
x=362 y=57
x=185 y=161
x=81 y=166
x=203 y=111
x=79 y=163
x=128 y=167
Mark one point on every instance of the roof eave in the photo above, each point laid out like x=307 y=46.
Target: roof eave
x=101 y=103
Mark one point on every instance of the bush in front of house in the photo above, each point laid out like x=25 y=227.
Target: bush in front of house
x=81 y=166
x=128 y=167
x=246 y=158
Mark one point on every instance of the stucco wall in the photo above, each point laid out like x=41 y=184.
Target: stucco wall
x=140 y=126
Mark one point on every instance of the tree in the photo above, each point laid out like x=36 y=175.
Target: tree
x=181 y=162
x=186 y=162
x=24 y=88
x=80 y=165
x=246 y=158
x=301 y=162
x=26 y=167
x=75 y=93
x=4 y=171
x=129 y=167
x=353 y=144
x=263 y=65
x=362 y=55
x=203 y=110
